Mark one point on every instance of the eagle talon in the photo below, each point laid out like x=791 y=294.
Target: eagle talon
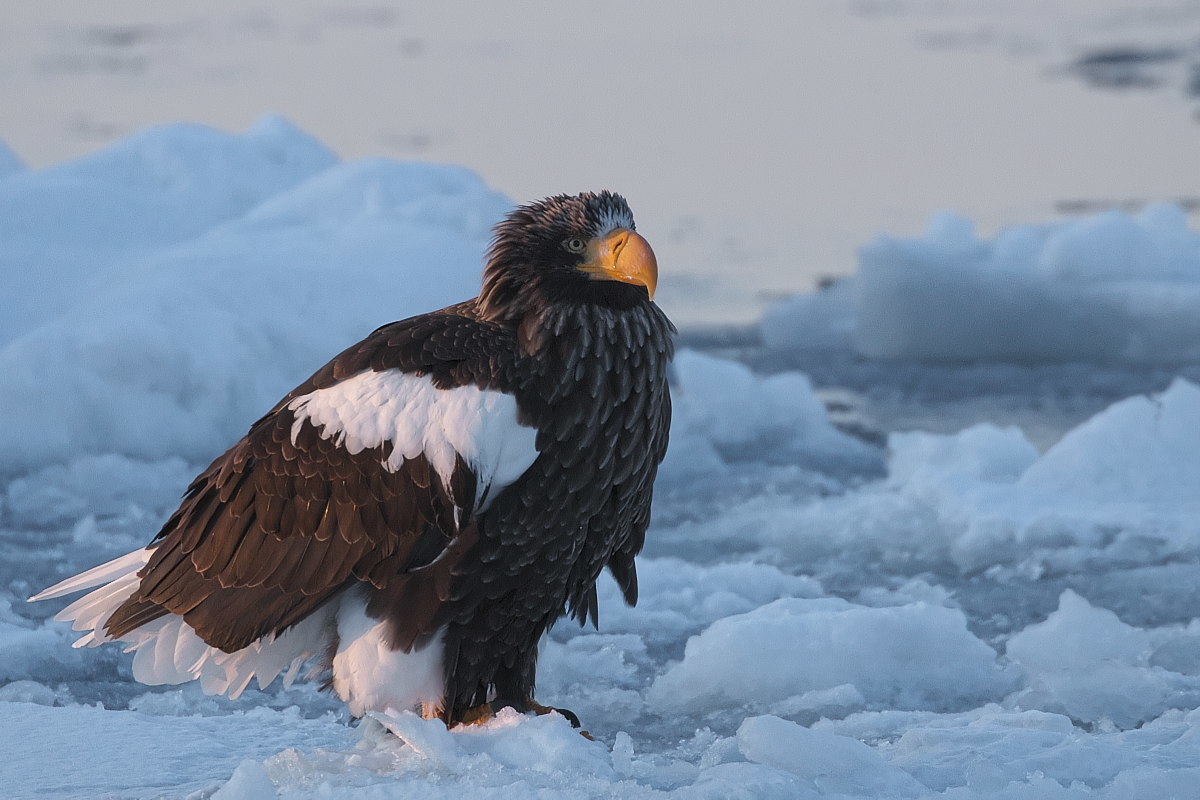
x=542 y=710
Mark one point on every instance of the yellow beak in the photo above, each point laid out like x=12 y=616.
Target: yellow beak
x=622 y=256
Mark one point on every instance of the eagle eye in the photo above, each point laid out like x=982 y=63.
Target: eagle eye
x=575 y=244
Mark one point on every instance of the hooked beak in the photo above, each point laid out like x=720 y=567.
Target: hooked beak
x=622 y=256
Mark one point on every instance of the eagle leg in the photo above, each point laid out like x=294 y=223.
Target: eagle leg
x=485 y=712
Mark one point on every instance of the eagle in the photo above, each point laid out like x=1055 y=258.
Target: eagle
x=415 y=516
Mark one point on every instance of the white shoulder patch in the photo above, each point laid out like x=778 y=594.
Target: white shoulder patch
x=409 y=411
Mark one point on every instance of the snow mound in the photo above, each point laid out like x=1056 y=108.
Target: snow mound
x=724 y=413
x=1110 y=287
x=912 y=656
x=197 y=338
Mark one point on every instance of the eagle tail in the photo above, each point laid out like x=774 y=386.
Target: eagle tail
x=167 y=650
x=96 y=576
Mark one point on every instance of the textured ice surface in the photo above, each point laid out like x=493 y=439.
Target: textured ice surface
x=1001 y=609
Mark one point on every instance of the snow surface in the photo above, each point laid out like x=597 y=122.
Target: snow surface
x=976 y=611
x=1107 y=287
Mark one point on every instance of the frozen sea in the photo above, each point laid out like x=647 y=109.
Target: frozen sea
x=884 y=563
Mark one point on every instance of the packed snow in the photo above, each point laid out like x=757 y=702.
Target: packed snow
x=834 y=603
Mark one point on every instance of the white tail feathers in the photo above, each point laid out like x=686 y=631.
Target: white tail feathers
x=107 y=572
x=168 y=651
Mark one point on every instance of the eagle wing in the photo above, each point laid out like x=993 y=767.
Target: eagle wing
x=622 y=561
x=367 y=472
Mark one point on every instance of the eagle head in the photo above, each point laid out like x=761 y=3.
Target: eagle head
x=580 y=248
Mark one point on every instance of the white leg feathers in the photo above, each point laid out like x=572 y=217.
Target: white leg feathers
x=370 y=676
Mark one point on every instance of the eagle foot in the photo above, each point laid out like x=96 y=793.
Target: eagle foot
x=477 y=715
x=485 y=712
x=571 y=716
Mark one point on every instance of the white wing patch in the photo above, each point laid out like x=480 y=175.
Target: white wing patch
x=409 y=411
x=168 y=651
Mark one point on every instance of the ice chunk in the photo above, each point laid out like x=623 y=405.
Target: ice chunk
x=822 y=320
x=42 y=653
x=95 y=485
x=834 y=764
x=736 y=408
x=26 y=691
x=912 y=656
x=1106 y=287
x=1117 y=489
x=741 y=780
x=1111 y=245
x=513 y=741
x=1084 y=662
x=723 y=412
x=1144 y=449
x=248 y=782
x=678 y=597
x=415 y=193
x=981 y=452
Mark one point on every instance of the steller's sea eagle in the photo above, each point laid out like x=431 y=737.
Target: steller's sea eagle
x=421 y=510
